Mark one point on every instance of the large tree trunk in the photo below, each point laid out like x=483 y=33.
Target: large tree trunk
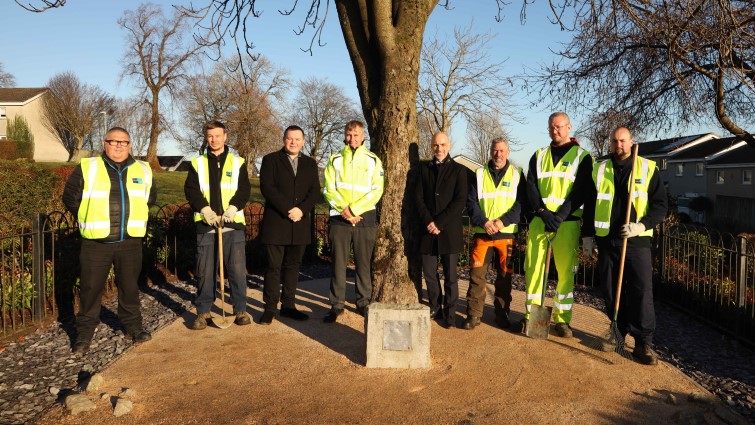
x=384 y=40
x=154 y=133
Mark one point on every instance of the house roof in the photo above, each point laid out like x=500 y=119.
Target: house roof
x=744 y=154
x=19 y=95
x=702 y=150
x=663 y=147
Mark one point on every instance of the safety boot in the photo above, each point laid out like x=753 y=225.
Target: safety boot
x=645 y=354
x=200 y=322
x=563 y=330
x=471 y=323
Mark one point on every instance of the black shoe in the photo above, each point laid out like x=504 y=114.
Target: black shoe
x=362 y=311
x=434 y=312
x=563 y=330
x=267 y=317
x=645 y=354
x=449 y=321
x=81 y=347
x=200 y=322
x=471 y=323
x=293 y=313
x=140 y=336
x=242 y=319
x=609 y=344
x=502 y=319
x=332 y=315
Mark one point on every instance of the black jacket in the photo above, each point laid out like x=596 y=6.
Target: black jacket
x=197 y=200
x=119 y=200
x=440 y=197
x=284 y=191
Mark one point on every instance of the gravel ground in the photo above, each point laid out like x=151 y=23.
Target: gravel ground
x=39 y=369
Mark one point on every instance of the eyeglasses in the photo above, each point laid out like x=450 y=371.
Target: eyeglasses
x=117 y=142
x=557 y=127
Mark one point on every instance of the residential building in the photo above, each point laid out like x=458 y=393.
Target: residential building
x=27 y=102
x=730 y=187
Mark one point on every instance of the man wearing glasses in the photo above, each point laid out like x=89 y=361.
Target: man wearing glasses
x=558 y=179
x=110 y=196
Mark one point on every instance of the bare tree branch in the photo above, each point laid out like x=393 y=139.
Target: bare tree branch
x=46 y=4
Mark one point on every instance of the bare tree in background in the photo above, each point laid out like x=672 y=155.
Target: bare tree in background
x=43 y=5
x=665 y=64
x=458 y=78
x=157 y=56
x=322 y=109
x=133 y=114
x=481 y=131
x=597 y=129
x=6 y=78
x=72 y=110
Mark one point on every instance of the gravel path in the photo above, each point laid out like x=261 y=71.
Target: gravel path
x=39 y=369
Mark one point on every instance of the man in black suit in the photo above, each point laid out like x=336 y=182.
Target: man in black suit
x=291 y=187
x=440 y=198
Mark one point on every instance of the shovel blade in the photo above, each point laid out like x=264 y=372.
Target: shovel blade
x=539 y=322
x=222 y=322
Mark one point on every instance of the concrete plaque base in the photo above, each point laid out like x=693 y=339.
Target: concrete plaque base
x=398 y=336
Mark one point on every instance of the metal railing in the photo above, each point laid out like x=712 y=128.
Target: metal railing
x=708 y=274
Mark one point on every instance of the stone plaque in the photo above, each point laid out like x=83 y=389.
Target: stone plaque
x=397 y=335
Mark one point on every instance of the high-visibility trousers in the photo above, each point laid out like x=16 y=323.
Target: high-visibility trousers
x=565 y=246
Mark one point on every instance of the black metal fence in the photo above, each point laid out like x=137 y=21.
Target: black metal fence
x=709 y=274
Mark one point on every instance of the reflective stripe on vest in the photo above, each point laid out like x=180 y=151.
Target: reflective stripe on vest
x=603 y=177
x=496 y=201
x=354 y=177
x=555 y=182
x=229 y=182
x=94 y=211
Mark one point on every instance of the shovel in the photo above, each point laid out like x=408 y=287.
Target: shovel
x=220 y=319
x=540 y=315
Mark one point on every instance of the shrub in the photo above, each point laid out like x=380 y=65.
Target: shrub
x=26 y=188
x=18 y=130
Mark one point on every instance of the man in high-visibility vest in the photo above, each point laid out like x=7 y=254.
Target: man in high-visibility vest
x=439 y=197
x=110 y=195
x=217 y=188
x=494 y=206
x=558 y=178
x=649 y=206
x=353 y=186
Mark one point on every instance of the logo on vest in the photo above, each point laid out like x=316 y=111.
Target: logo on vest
x=637 y=181
x=228 y=173
x=506 y=184
x=567 y=163
x=136 y=180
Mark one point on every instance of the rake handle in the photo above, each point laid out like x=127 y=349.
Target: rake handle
x=220 y=265
x=624 y=243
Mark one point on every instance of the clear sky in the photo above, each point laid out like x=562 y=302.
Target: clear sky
x=84 y=37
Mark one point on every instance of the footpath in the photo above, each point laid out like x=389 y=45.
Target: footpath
x=313 y=373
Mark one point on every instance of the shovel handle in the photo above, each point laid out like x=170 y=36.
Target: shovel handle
x=220 y=265
x=624 y=242
x=548 y=254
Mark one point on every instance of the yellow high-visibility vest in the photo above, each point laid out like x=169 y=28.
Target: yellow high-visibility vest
x=229 y=182
x=353 y=179
x=555 y=182
x=602 y=176
x=494 y=200
x=94 y=211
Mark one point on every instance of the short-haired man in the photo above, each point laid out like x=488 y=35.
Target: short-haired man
x=290 y=184
x=558 y=178
x=217 y=188
x=353 y=186
x=606 y=215
x=440 y=198
x=494 y=207
x=110 y=196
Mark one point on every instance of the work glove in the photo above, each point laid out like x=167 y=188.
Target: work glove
x=631 y=230
x=588 y=246
x=209 y=216
x=551 y=220
x=230 y=214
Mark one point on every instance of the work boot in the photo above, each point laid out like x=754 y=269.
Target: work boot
x=81 y=347
x=200 y=322
x=293 y=313
x=471 y=323
x=449 y=319
x=609 y=344
x=563 y=330
x=140 y=336
x=502 y=319
x=645 y=354
x=332 y=315
x=267 y=317
x=242 y=319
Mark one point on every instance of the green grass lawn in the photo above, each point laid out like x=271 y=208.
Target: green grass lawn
x=170 y=188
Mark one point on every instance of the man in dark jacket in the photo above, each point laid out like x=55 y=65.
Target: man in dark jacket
x=606 y=217
x=440 y=198
x=110 y=196
x=291 y=187
x=217 y=188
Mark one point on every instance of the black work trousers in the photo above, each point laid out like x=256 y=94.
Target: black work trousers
x=636 y=310
x=96 y=259
x=449 y=298
x=286 y=258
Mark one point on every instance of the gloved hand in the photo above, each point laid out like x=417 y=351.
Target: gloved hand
x=209 y=216
x=588 y=246
x=551 y=220
x=230 y=214
x=631 y=230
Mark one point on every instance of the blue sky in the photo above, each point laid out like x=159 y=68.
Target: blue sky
x=84 y=37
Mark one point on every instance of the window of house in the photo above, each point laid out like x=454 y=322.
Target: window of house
x=699 y=169
x=720 y=177
x=664 y=164
x=679 y=170
x=746 y=176
x=2 y=113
